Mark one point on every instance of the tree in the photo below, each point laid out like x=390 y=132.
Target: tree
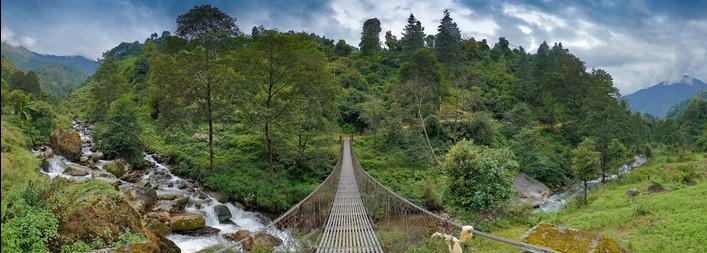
x=420 y=86
x=120 y=135
x=391 y=42
x=28 y=83
x=342 y=49
x=208 y=26
x=281 y=70
x=370 y=37
x=448 y=42
x=480 y=178
x=109 y=85
x=414 y=35
x=616 y=154
x=373 y=113
x=585 y=163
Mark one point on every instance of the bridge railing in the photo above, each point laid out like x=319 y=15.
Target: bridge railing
x=388 y=210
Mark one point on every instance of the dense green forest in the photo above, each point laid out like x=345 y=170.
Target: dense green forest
x=257 y=115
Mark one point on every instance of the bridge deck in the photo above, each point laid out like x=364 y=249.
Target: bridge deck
x=348 y=228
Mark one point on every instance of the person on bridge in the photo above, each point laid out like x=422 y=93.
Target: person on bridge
x=466 y=233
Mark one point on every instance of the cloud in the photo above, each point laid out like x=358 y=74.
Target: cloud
x=9 y=37
x=640 y=42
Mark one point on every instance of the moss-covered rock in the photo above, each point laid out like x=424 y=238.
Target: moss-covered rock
x=569 y=240
x=66 y=142
x=117 y=167
x=186 y=222
x=158 y=227
x=261 y=240
x=77 y=171
x=142 y=198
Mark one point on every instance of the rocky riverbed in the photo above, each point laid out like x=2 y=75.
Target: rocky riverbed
x=175 y=207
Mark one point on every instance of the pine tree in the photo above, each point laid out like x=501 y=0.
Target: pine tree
x=414 y=35
x=448 y=41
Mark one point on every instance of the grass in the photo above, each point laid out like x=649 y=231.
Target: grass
x=669 y=221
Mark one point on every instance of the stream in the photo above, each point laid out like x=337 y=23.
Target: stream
x=553 y=203
x=167 y=186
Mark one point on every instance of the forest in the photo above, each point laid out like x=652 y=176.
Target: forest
x=257 y=114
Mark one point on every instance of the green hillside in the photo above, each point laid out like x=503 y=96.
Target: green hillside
x=58 y=79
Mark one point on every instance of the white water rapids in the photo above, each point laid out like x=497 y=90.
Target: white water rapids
x=165 y=183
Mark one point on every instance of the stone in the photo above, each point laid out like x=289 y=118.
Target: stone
x=66 y=142
x=77 y=171
x=632 y=192
x=160 y=157
x=164 y=216
x=263 y=240
x=132 y=176
x=78 y=180
x=205 y=231
x=97 y=156
x=141 y=198
x=83 y=159
x=117 y=167
x=167 y=197
x=220 y=196
x=147 y=164
x=201 y=137
x=48 y=154
x=158 y=227
x=529 y=187
x=237 y=236
x=222 y=212
x=569 y=240
x=186 y=222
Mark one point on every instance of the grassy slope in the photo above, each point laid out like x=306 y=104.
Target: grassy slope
x=670 y=221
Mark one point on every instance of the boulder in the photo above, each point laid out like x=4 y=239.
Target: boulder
x=160 y=157
x=529 y=187
x=168 y=197
x=158 y=227
x=132 y=176
x=97 y=156
x=237 y=236
x=569 y=240
x=219 y=195
x=67 y=143
x=632 y=192
x=117 y=167
x=77 y=171
x=205 y=231
x=48 y=154
x=186 y=222
x=78 y=180
x=262 y=240
x=84 y=159
x=140 y=197
x=222 y=212
x=201 y=137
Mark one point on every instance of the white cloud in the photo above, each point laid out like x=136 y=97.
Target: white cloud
x=543 y=20
x=10 y=37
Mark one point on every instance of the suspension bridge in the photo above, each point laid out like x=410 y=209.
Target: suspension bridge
x=348 y=208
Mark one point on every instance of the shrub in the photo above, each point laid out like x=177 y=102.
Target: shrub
x=121 y=135
x=480 y=178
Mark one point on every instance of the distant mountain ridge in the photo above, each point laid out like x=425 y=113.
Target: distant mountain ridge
x=658 y=99
x=58 y=74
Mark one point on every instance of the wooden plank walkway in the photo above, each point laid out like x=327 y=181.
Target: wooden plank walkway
x=348 y=228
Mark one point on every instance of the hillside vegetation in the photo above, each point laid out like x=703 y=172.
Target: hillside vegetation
x=445 y=121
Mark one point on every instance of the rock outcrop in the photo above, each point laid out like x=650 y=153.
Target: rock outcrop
x=118 y=167
x=66 y=142
x=186 y=222
x=140 y=197
x=569 y=240
x=529 y=187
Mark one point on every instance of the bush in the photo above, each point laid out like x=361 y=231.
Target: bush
x=480 y=178
x=120 y=137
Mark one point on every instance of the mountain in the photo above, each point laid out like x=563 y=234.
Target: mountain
x=58 y=74
x=658 y=99
x=677 y=110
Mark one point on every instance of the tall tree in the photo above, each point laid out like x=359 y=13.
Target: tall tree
x=585 y=163
x=342 y=49
x=110 y=85
x=281 y=70
x=373 y=113
x=120 y=137
x=391 y=42
x=208 y=26
x=413 y=36
x=370 y=37
x=420 y=87
x=448 y=42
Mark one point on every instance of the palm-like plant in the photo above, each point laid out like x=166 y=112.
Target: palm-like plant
x=25 y=109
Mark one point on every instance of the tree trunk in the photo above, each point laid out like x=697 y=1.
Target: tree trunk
x=585 y=192
x=269 y=140
x=427 y=138
x=210 y=117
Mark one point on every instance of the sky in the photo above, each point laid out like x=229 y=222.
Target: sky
x=639 y=42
